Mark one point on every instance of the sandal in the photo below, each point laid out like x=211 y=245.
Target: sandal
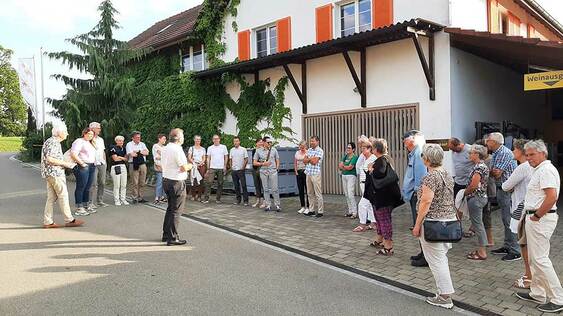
x=469 y=234
x=377 y=244
x=522 y=283
x=354 y=216
x=475 y=256
x=385 y=251
x=359 y=229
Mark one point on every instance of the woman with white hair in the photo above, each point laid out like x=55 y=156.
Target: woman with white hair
x=436 y=202
x=476 y=193
x=118 y=170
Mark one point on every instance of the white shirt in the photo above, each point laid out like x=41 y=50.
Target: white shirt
x=132 y=147
x=360 y=164
x=237 y=156
x=543 y=177
x=157 y=154
x=100 y=151
x=518 y=183
x=365 y=166
x=198 y=154
x=172 y=158
x=217 y=154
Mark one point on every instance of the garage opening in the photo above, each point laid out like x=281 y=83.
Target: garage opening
x=336 y=129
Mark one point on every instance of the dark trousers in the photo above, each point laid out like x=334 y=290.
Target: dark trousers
x=259 y=191
x=412 y=203
x=209 y=178
x=457 y=188
x=84 y=178
x=239 y=180
x=176 y=193
x=302 y=187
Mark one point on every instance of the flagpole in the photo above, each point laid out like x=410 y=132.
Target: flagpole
x=34 y=87
x=42 y=92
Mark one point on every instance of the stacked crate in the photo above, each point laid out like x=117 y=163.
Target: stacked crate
x=287 y=183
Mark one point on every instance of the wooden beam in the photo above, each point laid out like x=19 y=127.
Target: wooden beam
x=304 y=87
x=428 y=69
x=357 y=81
x=256 y=76
x=294 y=84
x=363 y=76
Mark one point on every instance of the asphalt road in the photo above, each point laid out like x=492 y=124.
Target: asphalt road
x=116 y=265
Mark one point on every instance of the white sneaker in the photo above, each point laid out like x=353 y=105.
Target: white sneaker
x=117 y=203
x=80 y=211
x=92 y=206
x=91 y=210
x=306 y=211
x=124 y=202
x=301 y=210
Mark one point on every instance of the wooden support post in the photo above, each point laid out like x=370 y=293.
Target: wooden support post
x=357 y=81
x=294 y=84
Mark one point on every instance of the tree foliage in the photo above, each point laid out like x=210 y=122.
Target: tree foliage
x=108 y=94
x=12 y=106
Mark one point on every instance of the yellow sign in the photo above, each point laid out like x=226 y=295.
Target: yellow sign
x=543 y=80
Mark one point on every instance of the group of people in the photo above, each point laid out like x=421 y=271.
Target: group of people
x=522 y=181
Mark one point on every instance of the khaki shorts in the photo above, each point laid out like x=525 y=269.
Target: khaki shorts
x=522 y=240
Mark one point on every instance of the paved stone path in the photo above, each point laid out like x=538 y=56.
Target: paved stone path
x=485 y=284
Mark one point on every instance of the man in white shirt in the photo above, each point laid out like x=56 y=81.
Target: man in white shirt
x=137 y=151
x=238 y=157
x=540 y=206
x=175 y=172
x=97 y=189
x=217 y=158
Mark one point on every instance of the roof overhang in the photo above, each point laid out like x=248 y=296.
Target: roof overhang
x=354 y=42
x=515 y=52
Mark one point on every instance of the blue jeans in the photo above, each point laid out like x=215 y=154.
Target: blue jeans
x=505 y=202
x=84 y=178
x=159 y=189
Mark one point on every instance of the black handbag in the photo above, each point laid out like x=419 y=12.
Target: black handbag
x=442 y=230
x=117 y=169
x=389 y=178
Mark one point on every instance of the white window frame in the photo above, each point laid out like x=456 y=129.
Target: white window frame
x=191 y=54
x=254 y=47
x=338 y=16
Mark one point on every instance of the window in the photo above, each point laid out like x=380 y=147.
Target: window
x=194 y=60
x=355 y=17
x=266 y=41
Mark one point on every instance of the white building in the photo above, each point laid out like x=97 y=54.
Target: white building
x=382 y=67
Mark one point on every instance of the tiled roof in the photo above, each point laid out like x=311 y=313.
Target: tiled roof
x=167 y=31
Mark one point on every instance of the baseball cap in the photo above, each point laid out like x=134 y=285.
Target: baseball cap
x=410 y=133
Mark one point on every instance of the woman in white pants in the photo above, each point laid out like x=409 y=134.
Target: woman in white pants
x=119 y=170
x=365 y=209
x=347 y=167
x=435 y=202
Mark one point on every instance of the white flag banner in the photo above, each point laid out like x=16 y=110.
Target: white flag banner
x=26 y=72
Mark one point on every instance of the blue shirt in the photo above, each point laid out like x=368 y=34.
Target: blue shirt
x=503 y=159
x=414 y=173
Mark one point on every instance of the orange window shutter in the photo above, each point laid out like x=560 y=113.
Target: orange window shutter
x=382 y=13
x=531 y=31
x=283 y=27
x=514 y=24
x=324 y=23
x=244 y=45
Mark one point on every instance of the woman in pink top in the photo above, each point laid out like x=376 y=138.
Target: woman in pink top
x=83 y=153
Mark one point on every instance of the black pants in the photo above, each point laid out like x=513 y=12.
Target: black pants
x=239 y=180
x=457 y=188
x=257 y=183
x=302 y=186
x=176 y=193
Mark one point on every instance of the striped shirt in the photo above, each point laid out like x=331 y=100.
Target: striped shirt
x=503 y=159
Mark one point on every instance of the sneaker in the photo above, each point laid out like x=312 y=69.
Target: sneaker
x=205 y=201
x=81 y=212
x=117 y=203
x=278 y=209
x=418 y=257
x=236 y=203
x=550 y=308
x=141 y=200
x=527 y=297
x=245 y=204
x=500 y=251
x=306 y=210
x=301 y=210
x=92 y=205
x=91 y=210
x=124 y=202
x=267 y=209
x=440 y=301
x=218 y=202
x=74 y=223
x=512 y=257
x=102 y=204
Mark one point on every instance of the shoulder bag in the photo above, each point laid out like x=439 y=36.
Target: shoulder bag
x=449 y=231
x=389 y=178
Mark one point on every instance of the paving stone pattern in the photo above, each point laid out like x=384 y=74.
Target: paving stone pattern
x=486 y=284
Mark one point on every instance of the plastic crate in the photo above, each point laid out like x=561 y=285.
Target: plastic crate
x=287 y=156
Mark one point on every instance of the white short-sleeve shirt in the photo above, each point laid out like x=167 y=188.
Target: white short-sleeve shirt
x=544 y=176
x=131 y=147
x=198 y=154
x=100 y=150
x=217 y=155
x=237 y=156
x=172 y=158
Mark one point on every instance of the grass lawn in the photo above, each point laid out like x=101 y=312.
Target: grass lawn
x=10 y=144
